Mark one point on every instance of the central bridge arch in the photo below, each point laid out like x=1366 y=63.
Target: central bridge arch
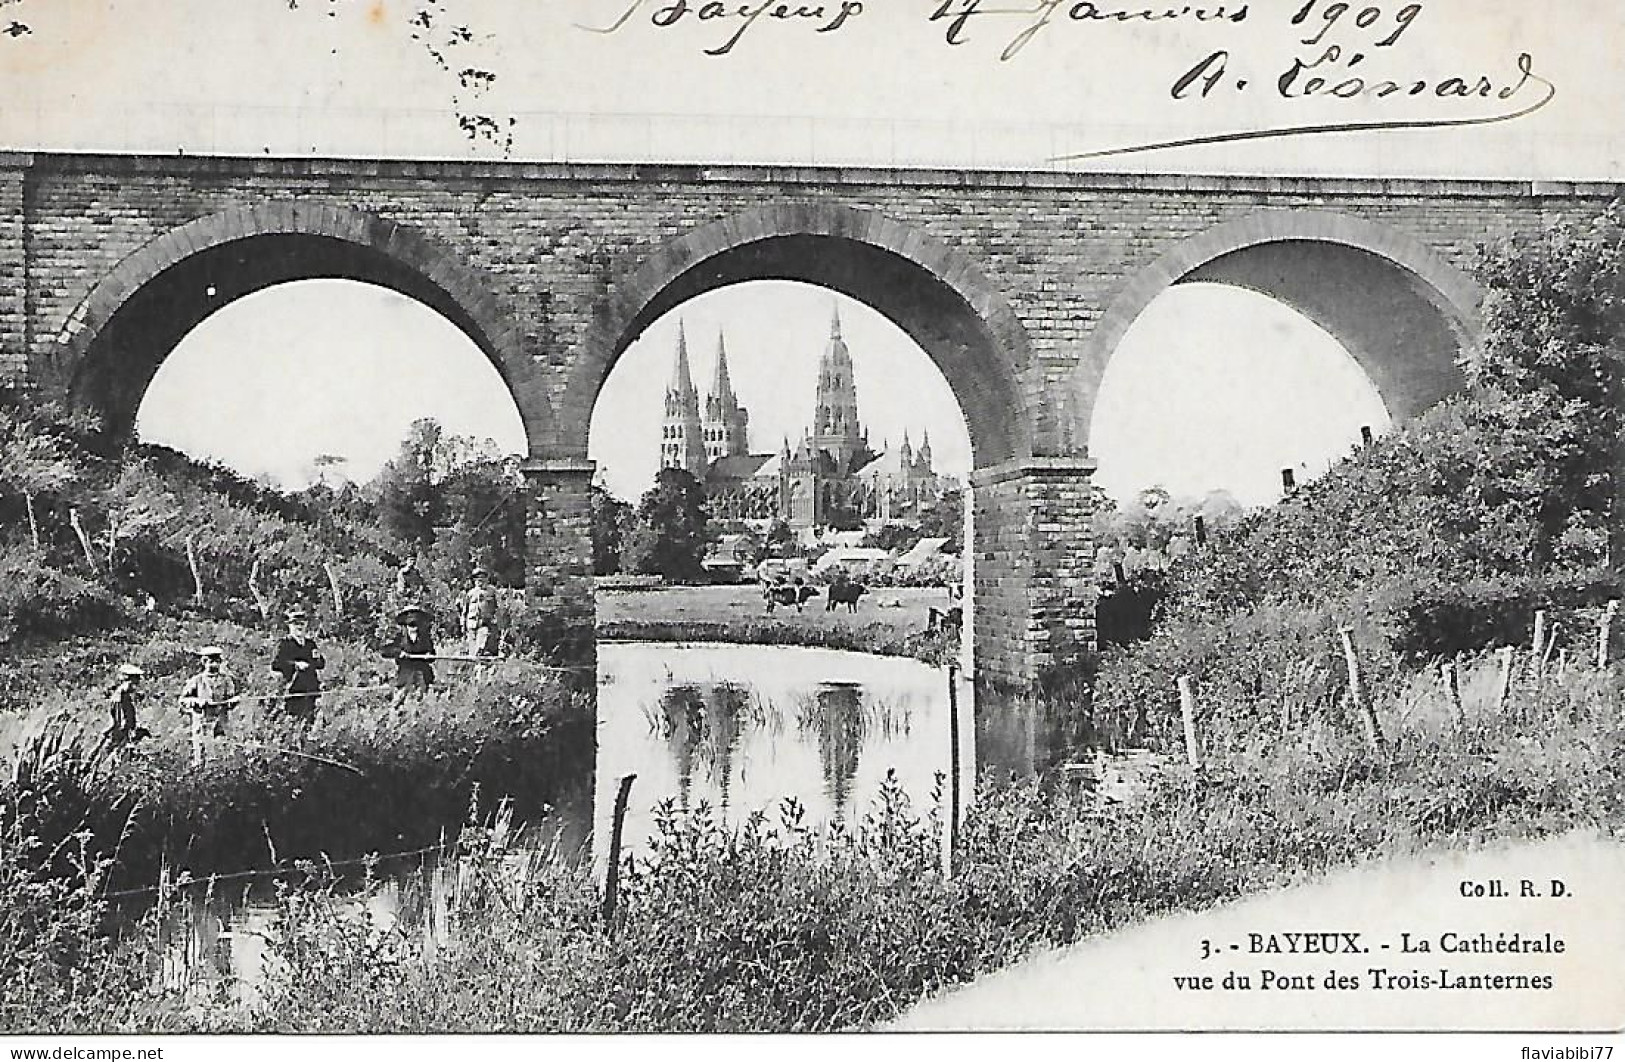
x=1023 y=617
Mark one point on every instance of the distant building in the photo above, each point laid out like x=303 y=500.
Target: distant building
x=830 y=476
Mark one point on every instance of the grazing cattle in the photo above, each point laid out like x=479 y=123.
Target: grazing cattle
x=797 y=595
x=844 y=594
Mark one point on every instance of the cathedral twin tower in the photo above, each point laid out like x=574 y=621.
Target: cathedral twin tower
x=688 y=441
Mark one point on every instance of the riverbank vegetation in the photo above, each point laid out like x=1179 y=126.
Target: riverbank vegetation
x=730 y=928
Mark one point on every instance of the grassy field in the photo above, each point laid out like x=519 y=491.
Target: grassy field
x=902 y=608
x=891 y=621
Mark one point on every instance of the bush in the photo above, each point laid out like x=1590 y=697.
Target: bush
x=39 y=601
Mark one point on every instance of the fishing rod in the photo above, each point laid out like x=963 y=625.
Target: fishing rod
x=251 y=745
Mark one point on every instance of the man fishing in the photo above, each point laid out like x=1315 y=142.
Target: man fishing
x=412 y=649
x=299 y=663
x=209 y=697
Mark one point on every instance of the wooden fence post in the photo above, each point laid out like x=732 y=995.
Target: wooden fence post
x=1605 y=633
x=197 y=576
x=84 y=539
x=1357 y=697
x=612 y=876
x=1452 y=681
x=1506 y=654
x=1538 y=644
x=333 y=584
x=261 y=602
x=1546 y=653
x=1187 y=710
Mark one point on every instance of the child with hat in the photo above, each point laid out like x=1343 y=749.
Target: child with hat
x=209 y=696
x=122 y=699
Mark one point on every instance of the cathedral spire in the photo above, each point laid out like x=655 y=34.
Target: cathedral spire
x=682 y=382
x=722 y=388
x=682 y=436
x=835 y=321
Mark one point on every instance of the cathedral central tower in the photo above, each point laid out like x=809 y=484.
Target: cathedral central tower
x=836 y=428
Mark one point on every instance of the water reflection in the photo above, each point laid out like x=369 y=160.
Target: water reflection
x=742 y=727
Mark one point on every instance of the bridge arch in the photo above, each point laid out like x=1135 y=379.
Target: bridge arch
x=1031 y=607
x=1402 y=311
x=115 y=339
x=935 y=294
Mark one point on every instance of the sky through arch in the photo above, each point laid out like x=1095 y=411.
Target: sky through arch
x=277 y=378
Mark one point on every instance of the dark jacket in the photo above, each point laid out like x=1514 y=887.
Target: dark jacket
x=289 y=652
x=403 y=644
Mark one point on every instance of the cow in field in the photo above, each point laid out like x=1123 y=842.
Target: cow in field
x=844 y=594
x=780 y=594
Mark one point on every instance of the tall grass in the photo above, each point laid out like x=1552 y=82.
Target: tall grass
x=269 y=789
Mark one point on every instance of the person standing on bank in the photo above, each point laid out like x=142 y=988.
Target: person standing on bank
x=480 y=615
x=208 y=697
x=299 y=663
x=410 y=585
x=122 y=701
x=412 y=649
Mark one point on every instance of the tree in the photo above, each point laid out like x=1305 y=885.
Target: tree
x=669 y=533
x=780 y=541
x=32 y=463
x=945 y=518
x=455 y=498
x=1551 y=364
x=611 y=521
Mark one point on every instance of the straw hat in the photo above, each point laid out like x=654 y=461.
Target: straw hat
x=130 y=671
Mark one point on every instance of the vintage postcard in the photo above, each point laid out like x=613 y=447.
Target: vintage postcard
x=667 y=516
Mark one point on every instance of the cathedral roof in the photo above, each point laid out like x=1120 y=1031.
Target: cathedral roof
x=738 y=467
x=889 y=464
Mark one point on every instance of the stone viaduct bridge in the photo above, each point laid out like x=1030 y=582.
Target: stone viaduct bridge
x=1018 y=285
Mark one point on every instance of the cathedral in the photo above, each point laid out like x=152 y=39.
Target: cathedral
x=829 y=478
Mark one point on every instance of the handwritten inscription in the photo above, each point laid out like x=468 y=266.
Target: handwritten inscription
x=738 y=19
x=1339 y=51
x=958 y=15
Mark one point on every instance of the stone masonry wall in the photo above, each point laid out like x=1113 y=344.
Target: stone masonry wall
x=555 y=238
x=1035 y=587
x=558 y=544
x=13 y=272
